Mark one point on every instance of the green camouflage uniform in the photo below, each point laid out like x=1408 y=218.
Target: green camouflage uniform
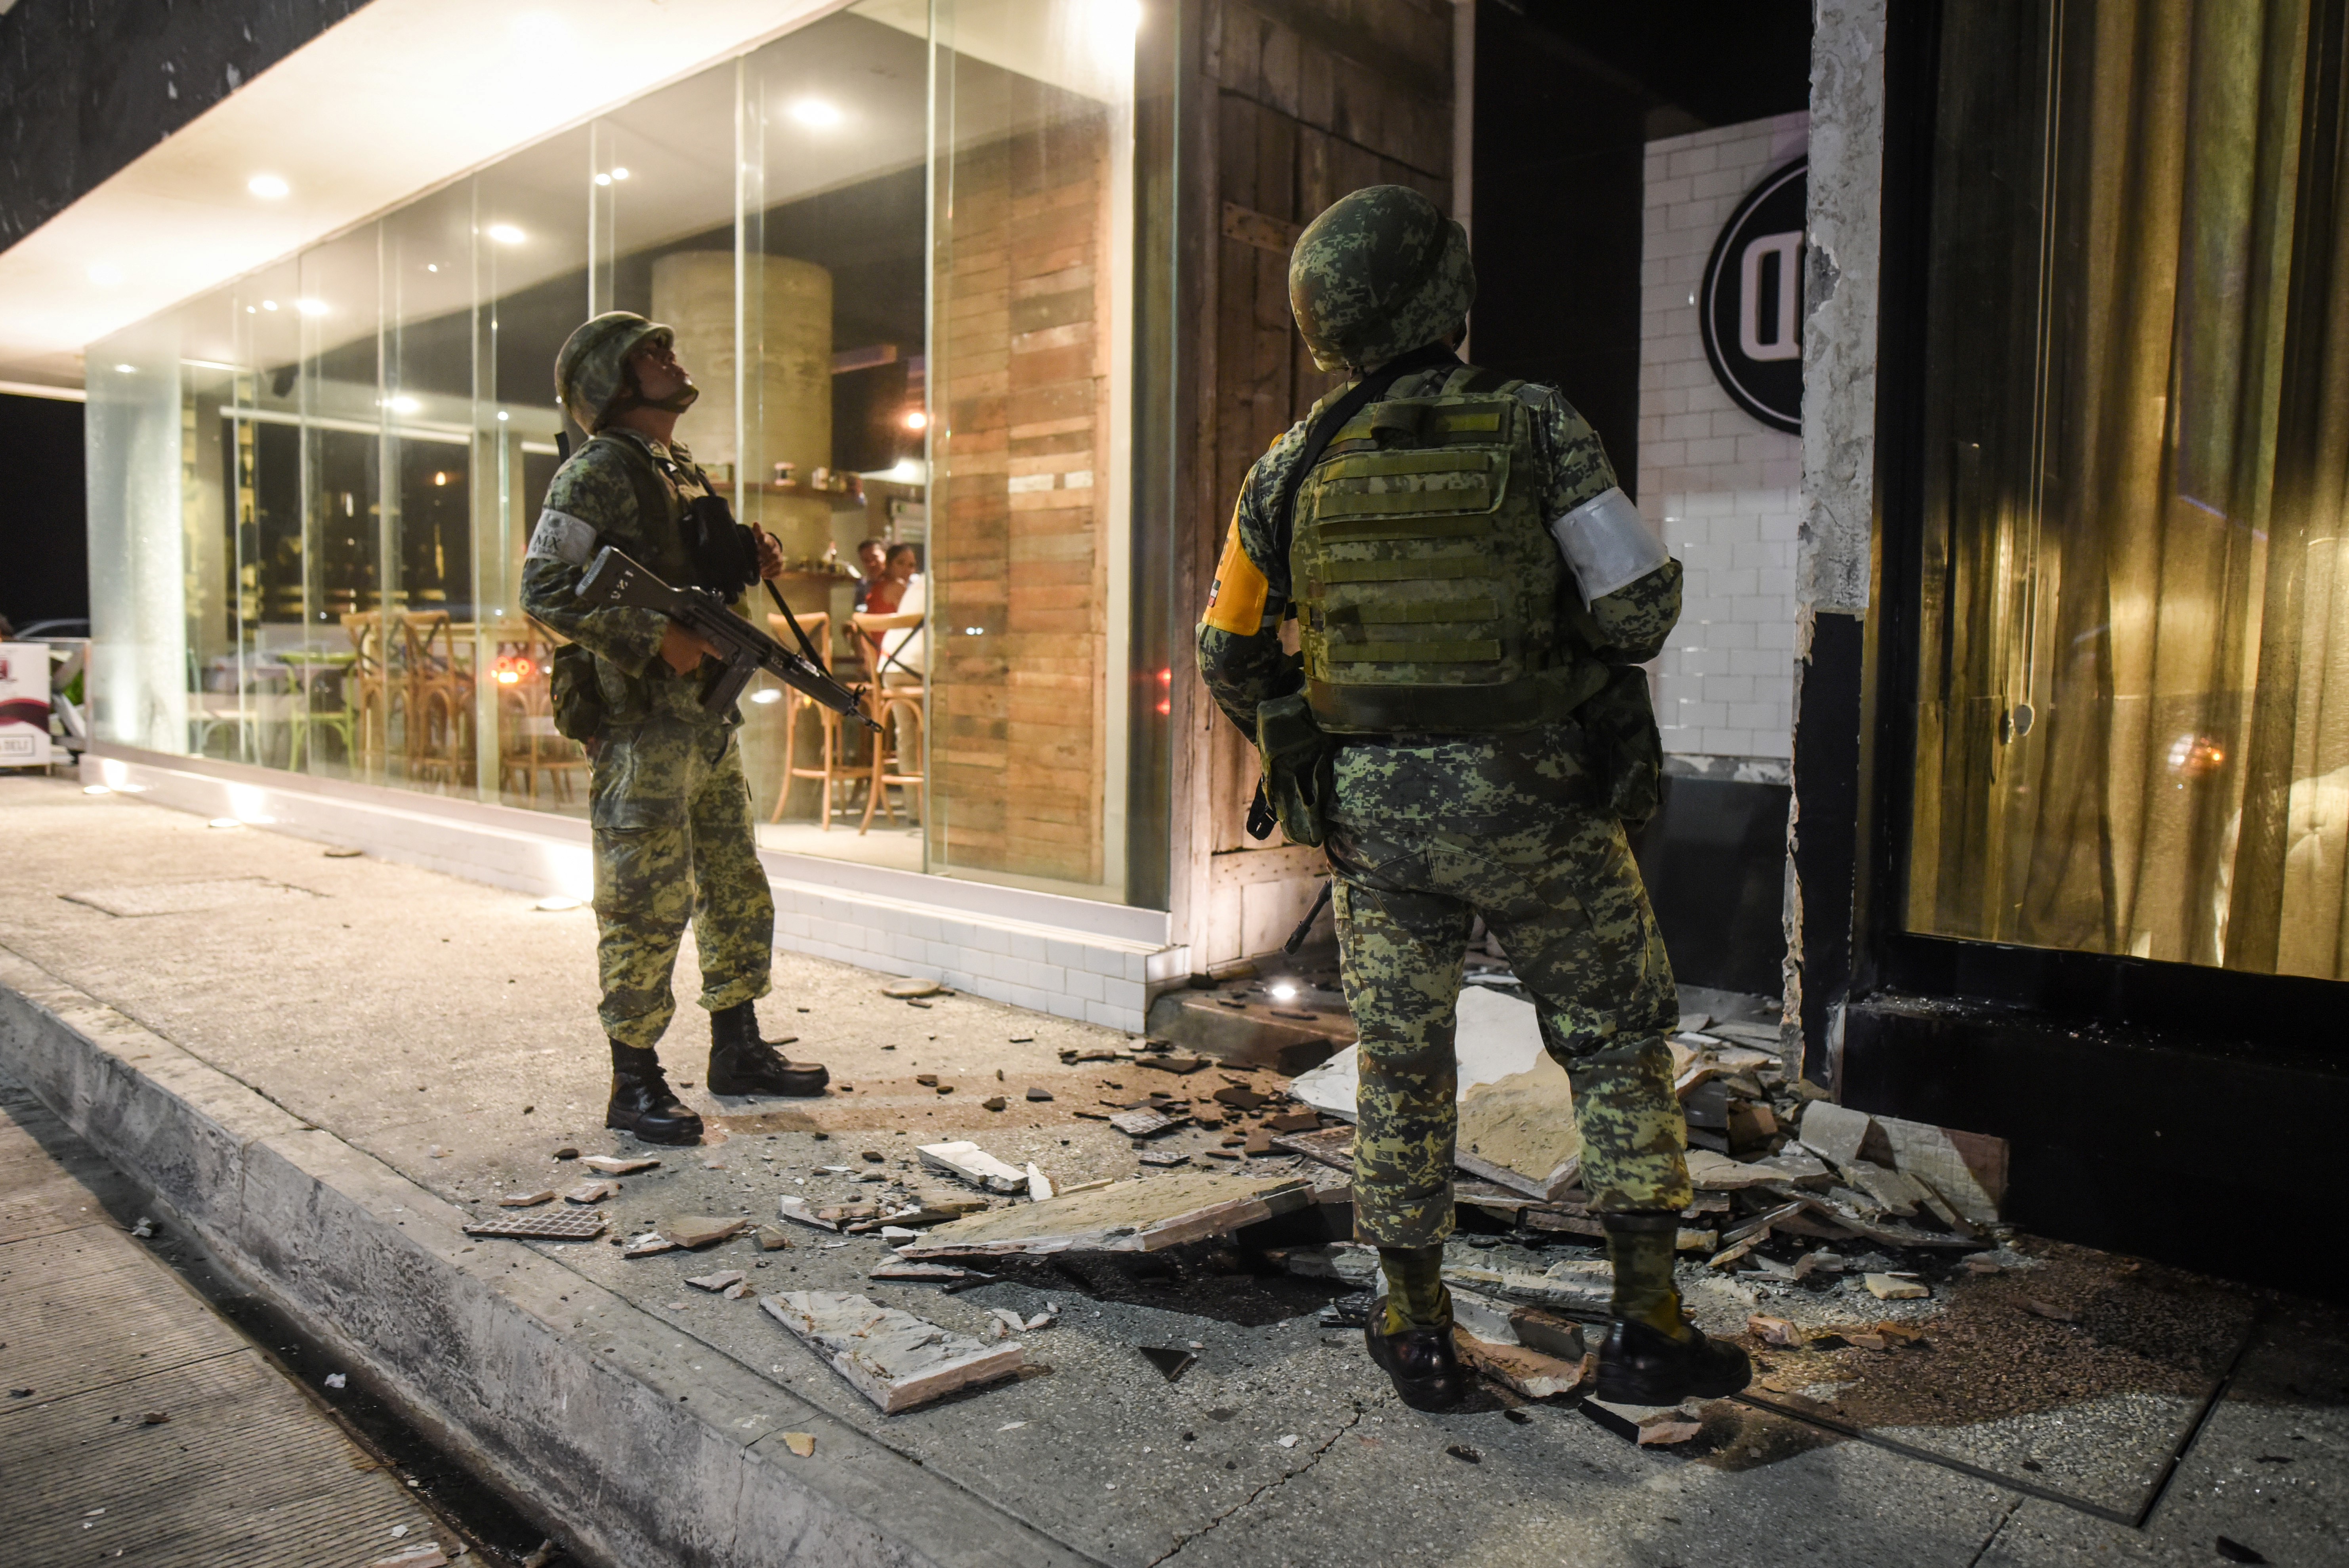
x=668 y=799
x=1426 y=832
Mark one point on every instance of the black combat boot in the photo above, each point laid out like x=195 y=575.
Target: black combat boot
x=642 y=1102
x=1651 y=1355
x=1420 y=1359
x=742 y=1063
x=1410 y=1329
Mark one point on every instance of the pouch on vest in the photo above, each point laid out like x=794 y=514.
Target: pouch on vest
x=577 y=696
x=1299 y=778
x=1626 y=750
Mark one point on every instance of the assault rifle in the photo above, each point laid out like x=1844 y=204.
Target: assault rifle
x=613 y=579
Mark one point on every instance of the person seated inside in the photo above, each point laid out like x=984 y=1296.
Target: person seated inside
x=872 y=562
x=894 y=640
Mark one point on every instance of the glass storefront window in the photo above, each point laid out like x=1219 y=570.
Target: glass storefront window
x=2133 y=713
x=897 y=246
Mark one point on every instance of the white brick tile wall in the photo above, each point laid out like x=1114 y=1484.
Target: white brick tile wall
x=1722 y=489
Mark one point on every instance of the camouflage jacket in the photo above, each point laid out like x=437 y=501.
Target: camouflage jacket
x=593 y=502
x=1245 y=668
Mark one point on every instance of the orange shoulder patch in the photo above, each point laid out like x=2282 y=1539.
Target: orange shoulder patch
x=1236 y=603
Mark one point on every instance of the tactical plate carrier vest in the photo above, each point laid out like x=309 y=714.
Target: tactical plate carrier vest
x=1430 y=597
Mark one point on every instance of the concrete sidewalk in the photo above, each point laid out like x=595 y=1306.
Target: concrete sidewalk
x=328 y=1065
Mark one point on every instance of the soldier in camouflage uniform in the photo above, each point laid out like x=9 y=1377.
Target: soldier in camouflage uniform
x=668 y=800
x=1472 y=592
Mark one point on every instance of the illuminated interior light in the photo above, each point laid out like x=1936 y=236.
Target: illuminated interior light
x=440 y=476
x=225 y=822
x=1284 y=992
x=268 y=187
x=916 y=420
x=503 y=415
x=619 y=173
x=311 y=306
x=400 y=404
x=603 y=179
x=432 y=266
x=269 y=304
x=766 y=697
x=506 y=235
x=816 y=114
x=95 y=789
x=126 y=369
x=249 y=310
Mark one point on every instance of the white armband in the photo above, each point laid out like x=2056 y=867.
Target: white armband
x=1605 y=545
x=560 y=536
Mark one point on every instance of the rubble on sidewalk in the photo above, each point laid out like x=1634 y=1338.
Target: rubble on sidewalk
x=1494 y=1338
x=1138 y=1216
x=527 y=1200
x=714 y=1284
x=591 y=1192
x=694 y=1232
x=975 y=1165
x=612 y=1165
x=559 y=1225
x=1646 y=1427
x=895 y=1360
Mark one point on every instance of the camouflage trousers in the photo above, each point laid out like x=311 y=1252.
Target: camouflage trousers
x=1560 y=891
x=671 y=812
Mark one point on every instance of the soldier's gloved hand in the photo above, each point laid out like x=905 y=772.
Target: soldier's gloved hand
x=770 y=554
x=682 y=649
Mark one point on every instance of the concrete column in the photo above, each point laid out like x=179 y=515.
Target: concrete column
x=1834 y=556
x=782 y=378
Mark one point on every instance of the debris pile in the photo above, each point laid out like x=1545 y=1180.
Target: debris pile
x=895 y=1360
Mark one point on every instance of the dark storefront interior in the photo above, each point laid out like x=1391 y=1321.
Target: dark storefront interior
x=1568 y=95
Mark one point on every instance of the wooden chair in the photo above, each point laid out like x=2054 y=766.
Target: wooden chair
x=439 y=700
x=899 y=711
x=830 y=771
x=369 y=690
x=528 y=743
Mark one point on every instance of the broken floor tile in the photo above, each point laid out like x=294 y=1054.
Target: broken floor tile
x=1170 y=1360
x=1885 y=1287
x=799 y=1210
x=1040 y=1186
x=1774 y=1331
x=773 y=1238
x=1139 y=1216
x=562 y=1225
x=715 y=1282
x=527 y=1200
x=1142 y=1123
x=895 y=1360
x=736 y=1291
x=974 y=1165
x=1164 y=1156
x=697 y=1230
x=919 y=1273
x=800 y=1443
x=612 y=1165
x=646 y=1246
x=1648 y=1429
x=591 y=1192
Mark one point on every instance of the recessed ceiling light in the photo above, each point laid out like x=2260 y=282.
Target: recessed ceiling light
x=603 y=179
x=503 y=415
x=619 y=173
x=506 y=235
x=816 y=114
x=400 y=404
x=311 y=306
x=126 y=369
x=104 y=276
x=268 y=187
x=432 y=266
x=269 y=304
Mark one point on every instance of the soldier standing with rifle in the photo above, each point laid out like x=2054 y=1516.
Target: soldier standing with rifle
x=1465 y=732
x=669 y=802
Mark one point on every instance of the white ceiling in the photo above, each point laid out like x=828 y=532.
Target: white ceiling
x=403 y=96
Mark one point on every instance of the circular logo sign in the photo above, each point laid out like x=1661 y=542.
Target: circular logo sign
x=1750 y=309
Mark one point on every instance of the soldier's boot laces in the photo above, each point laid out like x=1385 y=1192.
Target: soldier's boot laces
x=742 y=1063
x=1651 y=1355
x=643 y=1103
x=1410 y=1330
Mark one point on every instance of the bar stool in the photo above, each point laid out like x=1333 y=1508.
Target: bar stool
x=893 y=706
x=827 y=723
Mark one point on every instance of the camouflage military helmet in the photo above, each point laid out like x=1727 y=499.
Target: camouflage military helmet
x=1379 y=274
x=591 y=368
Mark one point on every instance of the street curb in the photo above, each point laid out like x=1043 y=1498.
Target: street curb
x=610 y=1435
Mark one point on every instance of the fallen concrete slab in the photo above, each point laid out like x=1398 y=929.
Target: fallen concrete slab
x=649 y=1450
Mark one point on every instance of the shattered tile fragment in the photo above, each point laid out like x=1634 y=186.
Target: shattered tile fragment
x=527 y=1200
x=612 y=1165
x=895 y=1360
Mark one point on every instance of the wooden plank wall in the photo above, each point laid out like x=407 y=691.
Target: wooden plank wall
x=1018 y=753
x=1309 y=99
